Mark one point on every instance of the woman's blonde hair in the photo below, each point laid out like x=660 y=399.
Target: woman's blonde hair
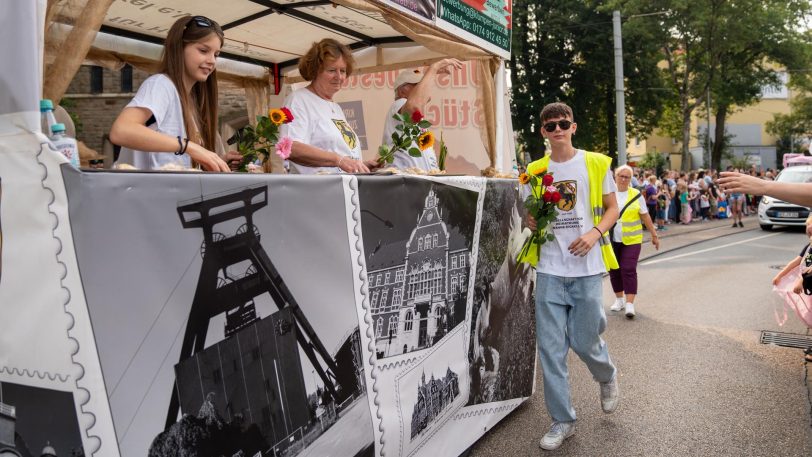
x=199 y=102
x=622 y=168
x=325 y=50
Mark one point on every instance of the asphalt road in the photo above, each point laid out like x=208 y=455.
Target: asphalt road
x=694 y=378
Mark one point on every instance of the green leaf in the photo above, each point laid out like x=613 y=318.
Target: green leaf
x=424 y=124
x=414 y=152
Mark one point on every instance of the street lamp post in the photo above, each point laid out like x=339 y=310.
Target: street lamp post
x=620 y=100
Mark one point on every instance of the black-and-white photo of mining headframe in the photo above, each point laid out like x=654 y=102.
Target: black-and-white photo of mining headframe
x=262 y=383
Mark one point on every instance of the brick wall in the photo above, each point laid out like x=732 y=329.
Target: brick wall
x=96 y=112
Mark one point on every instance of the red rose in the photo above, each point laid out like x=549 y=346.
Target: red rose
x=556 y=197
x=547 y=196
x=417 y=116
x=547 y=180
x=288 y=115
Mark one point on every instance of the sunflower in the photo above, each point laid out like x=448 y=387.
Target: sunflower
x=524 y=178
x=425 y=140
x=277 y=116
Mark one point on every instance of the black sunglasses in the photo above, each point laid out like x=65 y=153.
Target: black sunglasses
x=204 y=22
x=563 y=124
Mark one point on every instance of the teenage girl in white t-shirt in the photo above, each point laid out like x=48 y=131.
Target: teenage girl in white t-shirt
x=173 y=116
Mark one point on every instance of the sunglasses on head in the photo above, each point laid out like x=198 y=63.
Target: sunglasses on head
x=563 y=124
x=204 y=22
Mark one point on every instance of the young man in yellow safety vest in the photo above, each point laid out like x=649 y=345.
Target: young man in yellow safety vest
x=569 y=305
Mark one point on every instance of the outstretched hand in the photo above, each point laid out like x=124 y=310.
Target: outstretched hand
x=733 y=182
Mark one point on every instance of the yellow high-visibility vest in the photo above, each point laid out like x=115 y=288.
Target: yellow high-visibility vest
x=631 y=225
x=597 y=165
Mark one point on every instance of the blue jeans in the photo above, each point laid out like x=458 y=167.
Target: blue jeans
x=569 y=314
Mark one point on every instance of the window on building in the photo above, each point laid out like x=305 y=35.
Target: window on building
x=384 y=296
x=374 y=299
x=462 y=282
x=393 y=325
x=379 y=327
x=428 y=242
x=127 y=79
x=462 y=261
x=453 y=261
x=399 y=276
x=436 y=238
x=96 y=80
x=420 y=244
x=454 y=284
x=378 y=279
x=407 y=322
x=386 y=278
x=396 y=297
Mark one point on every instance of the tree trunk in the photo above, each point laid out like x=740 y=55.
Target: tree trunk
x=719 y=136
x=612 y=130
x=686 y=140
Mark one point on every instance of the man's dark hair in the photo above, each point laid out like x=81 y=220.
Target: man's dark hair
x=556 y=109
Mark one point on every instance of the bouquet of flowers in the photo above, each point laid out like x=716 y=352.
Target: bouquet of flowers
x=541 y=205
x=410 y=129
x=257 y=142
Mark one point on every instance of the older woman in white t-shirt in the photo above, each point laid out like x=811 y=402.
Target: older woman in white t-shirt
x=322 y=138
x=172 y=120
x=627 y=240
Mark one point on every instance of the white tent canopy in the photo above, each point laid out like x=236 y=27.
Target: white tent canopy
x=265 y=39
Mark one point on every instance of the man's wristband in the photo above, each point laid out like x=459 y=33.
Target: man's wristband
x=596 y=228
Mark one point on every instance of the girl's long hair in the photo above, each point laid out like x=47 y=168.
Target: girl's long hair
x=199 y=105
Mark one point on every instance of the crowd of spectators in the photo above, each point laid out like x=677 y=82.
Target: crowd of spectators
x=679 y=197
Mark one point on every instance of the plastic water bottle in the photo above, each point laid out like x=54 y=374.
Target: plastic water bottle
x=47 y=119
x=65 y=144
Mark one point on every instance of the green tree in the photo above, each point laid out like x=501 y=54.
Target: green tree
x=798 y=123
x=653 y=160
x=562 y=52
x=686 y=33
x=754 y=36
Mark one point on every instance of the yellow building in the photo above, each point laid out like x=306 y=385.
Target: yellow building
x=747 y=125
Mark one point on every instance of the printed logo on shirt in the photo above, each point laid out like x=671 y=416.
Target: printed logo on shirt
x=346 y=132
x=569 y=194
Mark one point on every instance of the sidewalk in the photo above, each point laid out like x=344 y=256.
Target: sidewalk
x=677 y=235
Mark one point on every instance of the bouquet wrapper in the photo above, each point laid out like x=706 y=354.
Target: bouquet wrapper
x=530 y=250
x=801 y=304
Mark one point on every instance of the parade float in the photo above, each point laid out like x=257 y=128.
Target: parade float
x=179 y=313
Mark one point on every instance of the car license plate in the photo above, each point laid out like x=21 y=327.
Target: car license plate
x=787 y=214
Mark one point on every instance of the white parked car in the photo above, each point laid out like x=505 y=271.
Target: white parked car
x=772 y=211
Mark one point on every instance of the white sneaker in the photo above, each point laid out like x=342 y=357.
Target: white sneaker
x=618 y=305
x=610 y=395
x=559 y=431
x=630 y=310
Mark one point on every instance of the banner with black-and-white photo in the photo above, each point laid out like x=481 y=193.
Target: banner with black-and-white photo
x=244 y=314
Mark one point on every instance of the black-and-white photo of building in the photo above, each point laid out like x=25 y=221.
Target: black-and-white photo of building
x=433 y=397
x=38 y=422
x=418 y=283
